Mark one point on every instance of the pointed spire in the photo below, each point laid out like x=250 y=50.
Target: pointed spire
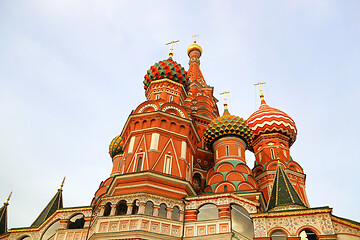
x=283 y=193
x=3 y=216
x=55 y=203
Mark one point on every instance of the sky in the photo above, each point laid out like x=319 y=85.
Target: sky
x=72 y=71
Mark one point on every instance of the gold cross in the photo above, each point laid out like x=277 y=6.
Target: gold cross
x=195 y=37
x=171 y=49
x=259 y=83
x=224 y=93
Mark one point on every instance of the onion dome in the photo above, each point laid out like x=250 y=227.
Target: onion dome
x=116 y=146
x=192 y=47
x=272 y=120
x=228 y=124
x=167 y=69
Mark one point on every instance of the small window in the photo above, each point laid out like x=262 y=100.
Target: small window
x=149 y=208
x=107 y=209
x=121 y=208
x=225 y=188
x=77 y=222
x=157 y=97
x=175 y=214
x=162 y=211
x=139 y=163
x=171 y=98
x=135 y=207
x=227 y=151
x=272 y=153
x=167 y=164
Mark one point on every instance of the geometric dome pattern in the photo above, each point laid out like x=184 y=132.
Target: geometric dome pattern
x=167 y=69
x=271 y=120
x=116 y=146
x=228 y=125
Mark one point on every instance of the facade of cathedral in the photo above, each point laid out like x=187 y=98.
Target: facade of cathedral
x=179 y=172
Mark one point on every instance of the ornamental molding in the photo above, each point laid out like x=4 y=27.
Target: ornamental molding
x=175 y=108
x=146 y=106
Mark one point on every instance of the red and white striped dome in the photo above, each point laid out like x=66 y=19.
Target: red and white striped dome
x=272 y=120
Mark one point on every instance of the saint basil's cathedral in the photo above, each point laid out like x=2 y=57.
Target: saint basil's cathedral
x=179 y=172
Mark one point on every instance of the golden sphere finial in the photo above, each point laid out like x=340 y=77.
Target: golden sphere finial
x=194 y=46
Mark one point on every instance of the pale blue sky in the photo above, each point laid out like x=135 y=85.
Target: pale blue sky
x=71 y=72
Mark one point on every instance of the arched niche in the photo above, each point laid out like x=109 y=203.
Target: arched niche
x=149 y=208
x=208 y=211
x=278 y=235
x=77 y=221
x=308 y=234
x=197 y=181
x=25 y=238
x=107 y=209
x=162 y=210
x=121 y=208
x=241 y=221
x=51 y=231
x=135 y=206
x=175 y=213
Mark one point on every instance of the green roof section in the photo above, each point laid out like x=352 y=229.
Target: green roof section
x=283 y=193
x=55 y=204
x=3 y=216
x=3 y=219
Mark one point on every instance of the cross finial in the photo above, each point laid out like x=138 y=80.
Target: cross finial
x=8 y=199
x=261 y=93
x=171 y=48
x=195 y=37
x=224 y=93
x=62 y=184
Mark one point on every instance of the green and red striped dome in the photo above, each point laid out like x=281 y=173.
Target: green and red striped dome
x=271 y=120
x=167 y=69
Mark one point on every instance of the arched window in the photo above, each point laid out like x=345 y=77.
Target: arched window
x=51 y=231
x=307 y=234
x=162 y=211
x=121 y=208
x=207 y=212
x=175 y=214
x=77 y=221
x=241 y=221
x=227 y=151
x=225 y=188
x=171 y=98
x=135 y=207
x=278 y=235
x=107 y=209
x=149 y=208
